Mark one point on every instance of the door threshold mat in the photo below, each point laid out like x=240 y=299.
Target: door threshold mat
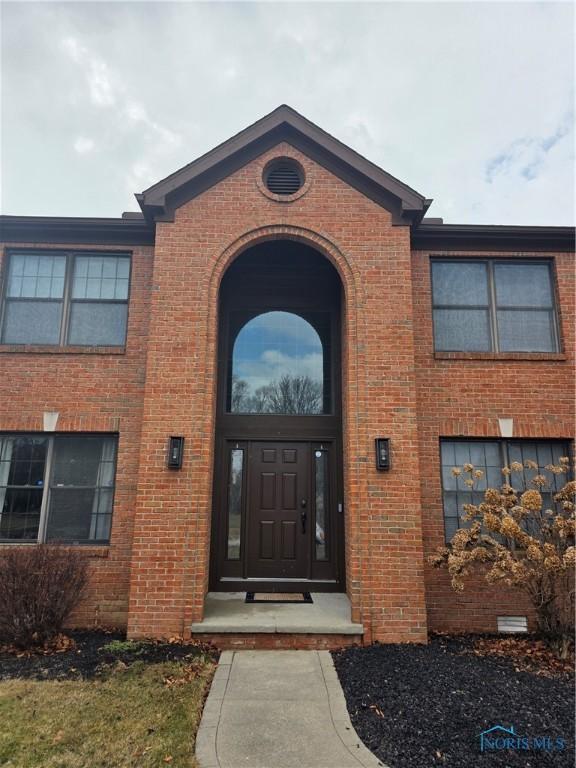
x=278 y=597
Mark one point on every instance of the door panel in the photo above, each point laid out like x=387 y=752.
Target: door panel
x=288 y=550
x=267 y=482
x=266 y=548
x=278 y=529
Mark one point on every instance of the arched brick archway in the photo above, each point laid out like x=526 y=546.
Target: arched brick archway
x=351 y=350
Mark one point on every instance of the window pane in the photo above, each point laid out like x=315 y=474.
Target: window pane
x=278 y=366
x=321 y=496
x=20 y=513
x=523 y=285
x=77 y=459
x=93 y=323
x=30 y=265
x=541 y=453
x=459 y=283
x=94 y=266
x=462 y=330
x=79 y=287
x=525 y=331
x=107 y=291
x=450 y=504
x=448 y=454
x=483 y=455
x=123 y=268
x=14 y=289
x=93 y=288
x=77 y=513
x=121 y=288
x=32 y=322
x=109 y=268
x=70 y=514
x=22 y=461
x=448 y=479
x=462 y=451
x=100 y=277
x=450 y=527
x=35 y=276
x=235 y=503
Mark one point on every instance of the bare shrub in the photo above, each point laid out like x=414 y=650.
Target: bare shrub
x=39 y=587
x=516 y=542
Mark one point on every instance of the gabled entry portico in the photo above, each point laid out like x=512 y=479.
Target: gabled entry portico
x=281 y=328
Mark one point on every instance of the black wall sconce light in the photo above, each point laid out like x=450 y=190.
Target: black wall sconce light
x=175 y=451
x=382 y=453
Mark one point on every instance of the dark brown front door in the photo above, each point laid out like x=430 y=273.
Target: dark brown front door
x=278 y=511
x=278 y=519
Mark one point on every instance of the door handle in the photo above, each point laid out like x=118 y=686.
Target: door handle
x=303 y=517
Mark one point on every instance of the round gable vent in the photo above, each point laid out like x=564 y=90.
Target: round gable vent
x=284 y=177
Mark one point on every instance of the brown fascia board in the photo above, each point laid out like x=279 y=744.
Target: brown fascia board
x=64 y=229
x=283 y=124
x=471 y=237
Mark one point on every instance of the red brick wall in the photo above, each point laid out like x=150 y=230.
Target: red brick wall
x=171 y=544
x=465 y=396
x=92 y=391
x=393 y=387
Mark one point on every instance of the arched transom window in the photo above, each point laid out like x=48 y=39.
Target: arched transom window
x=277 y=366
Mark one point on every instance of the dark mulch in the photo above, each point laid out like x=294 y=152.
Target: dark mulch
x=88 y=657
x=423 y=706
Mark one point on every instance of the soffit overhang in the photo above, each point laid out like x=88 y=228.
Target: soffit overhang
x=487 y=237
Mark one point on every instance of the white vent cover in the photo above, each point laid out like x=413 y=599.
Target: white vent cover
x=512 y=624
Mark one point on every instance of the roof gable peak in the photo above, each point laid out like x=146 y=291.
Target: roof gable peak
x=284 y=123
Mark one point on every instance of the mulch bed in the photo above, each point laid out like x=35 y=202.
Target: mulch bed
x=86 y=656
x=420 y=706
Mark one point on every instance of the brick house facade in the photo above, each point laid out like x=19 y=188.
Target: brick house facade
x=281 y=220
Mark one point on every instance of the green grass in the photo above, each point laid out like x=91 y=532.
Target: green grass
x=135 y=717
x=124 y=646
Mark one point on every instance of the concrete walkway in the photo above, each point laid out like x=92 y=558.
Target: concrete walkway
x=278 y=709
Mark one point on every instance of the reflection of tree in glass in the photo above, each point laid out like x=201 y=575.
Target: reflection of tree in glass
x=239 y=394
x=288 y=395
x=235 y=503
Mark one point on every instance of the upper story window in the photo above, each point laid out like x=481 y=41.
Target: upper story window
x=56 y=488
x=65 y=299
x=278 y=367
x=494 y=306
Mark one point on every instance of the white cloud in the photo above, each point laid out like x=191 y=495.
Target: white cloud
x=526 y=156
x=102 y=90
x=101 y=87
x=84 y=145
x=273 y=364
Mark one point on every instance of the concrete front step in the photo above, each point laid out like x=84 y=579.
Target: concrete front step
x=271 y=641
x=230 y=622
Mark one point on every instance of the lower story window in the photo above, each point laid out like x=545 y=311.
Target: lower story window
x=57 y=488
x=491 y=456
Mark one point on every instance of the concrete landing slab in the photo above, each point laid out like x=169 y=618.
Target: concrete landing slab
x=278 y=709
x=226 y=612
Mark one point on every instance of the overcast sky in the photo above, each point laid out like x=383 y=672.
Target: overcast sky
x=471 y=104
